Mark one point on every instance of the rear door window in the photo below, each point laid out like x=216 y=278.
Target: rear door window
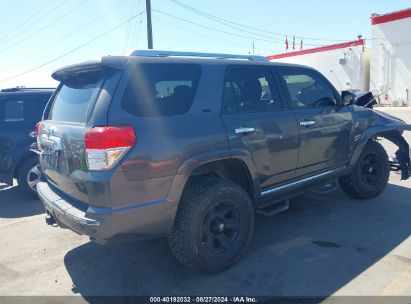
x=75 y=99
x=156 y=89
x=14 y=111
x=250 y=90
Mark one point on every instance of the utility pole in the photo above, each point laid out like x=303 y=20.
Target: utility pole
x=149 y=27
x=253 y=48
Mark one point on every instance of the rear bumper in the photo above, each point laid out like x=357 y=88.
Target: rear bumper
x=136 y=222
x=65 y=214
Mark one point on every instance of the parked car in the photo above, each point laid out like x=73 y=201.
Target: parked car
x=20 y=110
x=190 y=145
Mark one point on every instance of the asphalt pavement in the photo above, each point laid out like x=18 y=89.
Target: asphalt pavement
x=322 y=245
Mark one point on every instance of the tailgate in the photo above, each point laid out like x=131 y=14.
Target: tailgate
x=68 y=116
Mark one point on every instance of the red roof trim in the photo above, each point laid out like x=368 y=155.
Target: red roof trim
x=377 y=19
x=318 y=49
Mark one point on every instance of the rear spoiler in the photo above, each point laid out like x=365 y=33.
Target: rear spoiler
x=107 y=62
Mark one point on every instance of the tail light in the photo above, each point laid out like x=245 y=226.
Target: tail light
x=38 y=126
x=106 y=145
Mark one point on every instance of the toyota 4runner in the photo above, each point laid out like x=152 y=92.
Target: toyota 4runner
x=191 y=145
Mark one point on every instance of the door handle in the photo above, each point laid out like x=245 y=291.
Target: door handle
x=307 y=123
x=244 y=130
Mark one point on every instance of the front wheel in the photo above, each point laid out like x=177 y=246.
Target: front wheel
x=370 y=174
x=213 y=226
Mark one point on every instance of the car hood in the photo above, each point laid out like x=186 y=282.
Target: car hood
x=383 y=117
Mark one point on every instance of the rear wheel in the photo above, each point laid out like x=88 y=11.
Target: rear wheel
x=213 y=226
x=370 y=174
x=28 y=177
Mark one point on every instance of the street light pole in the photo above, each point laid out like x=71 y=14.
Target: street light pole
x=149 y=26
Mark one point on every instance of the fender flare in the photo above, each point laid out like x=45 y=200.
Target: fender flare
x=190 y=164
x=393 y=133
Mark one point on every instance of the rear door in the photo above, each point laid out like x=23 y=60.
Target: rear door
x=14 y=133
x=257 y=123
x=323 y=123
x=71 y=112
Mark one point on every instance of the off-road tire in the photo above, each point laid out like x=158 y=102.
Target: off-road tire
x=201 y=198
x=21 y=177
x=358 y=184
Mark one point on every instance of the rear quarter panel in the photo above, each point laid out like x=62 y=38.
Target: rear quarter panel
x=165 y=143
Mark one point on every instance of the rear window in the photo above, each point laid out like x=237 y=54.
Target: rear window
x=156 y=89
x=75 y=99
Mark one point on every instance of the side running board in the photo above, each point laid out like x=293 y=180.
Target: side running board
x=274 y=208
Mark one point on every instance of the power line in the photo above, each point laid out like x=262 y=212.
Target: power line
x=224 y=31
x=35 y=22
x=75 y=49
x=138 y=32
x=245 y=46
x=127 y=35
x=80 y=28
x=228 y=22
x=201 y=34
x=25 y=21
x=223 y=21
x=215 y=29
x=45 y=26
x=135 y=25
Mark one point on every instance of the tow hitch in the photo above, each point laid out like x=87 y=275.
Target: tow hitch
x=50 y=220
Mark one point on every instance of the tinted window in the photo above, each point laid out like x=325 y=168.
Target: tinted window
x=248 y=91
x=75 y=99
x=35 y=108
x=307 y=89
x=14 y=111
x=161 y=89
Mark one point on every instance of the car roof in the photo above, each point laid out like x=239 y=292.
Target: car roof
x=210 y=61
x=207 y=61
x=120 y=62
x=26 y=92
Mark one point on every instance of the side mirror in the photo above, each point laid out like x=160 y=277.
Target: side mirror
x=359 y=98
x=348 y=98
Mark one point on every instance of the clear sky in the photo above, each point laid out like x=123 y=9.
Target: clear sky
x=62 y=32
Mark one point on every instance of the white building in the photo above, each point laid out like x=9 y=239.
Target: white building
x=346 y=65
x=391 y=57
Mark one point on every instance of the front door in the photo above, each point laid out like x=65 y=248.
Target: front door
x=323 y=123
x=257 y=122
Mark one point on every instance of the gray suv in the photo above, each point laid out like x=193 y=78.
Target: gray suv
x=191 y=145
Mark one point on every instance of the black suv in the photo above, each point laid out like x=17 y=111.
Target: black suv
x=20 y=110
x=190 y=145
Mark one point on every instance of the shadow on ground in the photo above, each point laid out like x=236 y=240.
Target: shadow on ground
x=316 y=247
x=15 y=204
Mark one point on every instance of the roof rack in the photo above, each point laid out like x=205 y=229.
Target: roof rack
x=157 y=53
x=17 y=89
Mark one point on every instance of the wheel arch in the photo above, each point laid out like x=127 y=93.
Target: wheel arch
x=210 y=160
x=219 y=162
x=23 y=158
x=392 y=133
